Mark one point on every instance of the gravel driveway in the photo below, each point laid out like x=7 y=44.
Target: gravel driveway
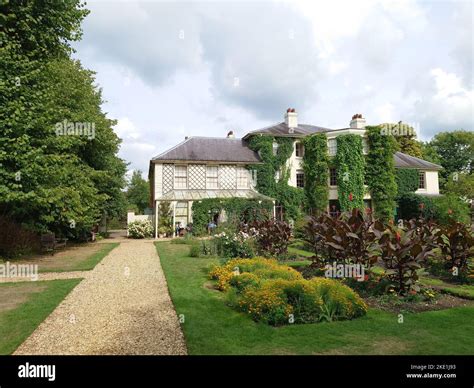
x=121 y=307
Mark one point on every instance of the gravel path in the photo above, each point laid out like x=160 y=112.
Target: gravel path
x=121 y=307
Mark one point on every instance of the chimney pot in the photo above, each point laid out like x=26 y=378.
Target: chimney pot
x=357 y=121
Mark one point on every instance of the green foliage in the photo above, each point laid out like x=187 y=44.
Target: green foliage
x=237 y=210
x=316 y=172
x=350 y=166
x=449 y=208
x=407 y=180
x=165 y=219
x=380 y=172
x=195 y=250
x=138 y=192
x=441 y=209
x=63 y=183
x=405 y=138
x=455 y=150
x=230 y=245
x=287 y=196
x=461 y=185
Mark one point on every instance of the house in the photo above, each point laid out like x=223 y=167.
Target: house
x=209 y=167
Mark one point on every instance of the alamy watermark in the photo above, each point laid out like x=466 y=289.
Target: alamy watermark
x=400 y=129
x=9 y=270
x=70 y=128
x=342 y=271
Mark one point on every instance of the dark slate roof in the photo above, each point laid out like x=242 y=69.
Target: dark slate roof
x=406 y=161
x=281 y=129
x=211 y=149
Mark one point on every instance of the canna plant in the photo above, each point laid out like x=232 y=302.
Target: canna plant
x=403 y=252
x=456 y=243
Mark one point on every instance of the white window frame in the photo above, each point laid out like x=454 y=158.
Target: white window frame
x=242 y=177
x=332 y=147
x=299 y=145
x=215 y=179
x=299 y=172
x=178 y=176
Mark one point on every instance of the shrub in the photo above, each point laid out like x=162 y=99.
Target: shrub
x=451 y=208
x=263 y=268
x=195 y=250
x=16 y=240
x=279 y=301
x=234 y=244
x=407 y=180
x=348 y=238
x=456 y=242
x=442 y=209
x=404 y=252
x=270 y=292
x=272 y=237
x=140 y=229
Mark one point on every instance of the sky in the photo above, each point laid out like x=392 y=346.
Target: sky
x=173 y=69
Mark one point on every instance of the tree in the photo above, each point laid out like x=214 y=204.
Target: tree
x=405 y=137
x=52 y=177
x=461 y=185
x=138 y=192
x=455 y=150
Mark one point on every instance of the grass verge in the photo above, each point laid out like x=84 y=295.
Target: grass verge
x=17 y=323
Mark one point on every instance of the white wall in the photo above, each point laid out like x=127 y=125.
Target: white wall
x=294 y=164
x=431 y=183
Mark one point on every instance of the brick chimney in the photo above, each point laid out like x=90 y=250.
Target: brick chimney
x=357 y=121
x=291 y=119
x=230 y=135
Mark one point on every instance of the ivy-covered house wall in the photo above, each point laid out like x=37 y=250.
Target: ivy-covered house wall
x=273 y=174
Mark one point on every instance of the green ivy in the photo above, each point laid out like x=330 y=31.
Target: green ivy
x=316 y=172
x=380 y=172
x=237 y=210
x=287 y=196
x=350 y=166
x=407 y=180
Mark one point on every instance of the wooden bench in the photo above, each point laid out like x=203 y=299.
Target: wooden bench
x=49 y=243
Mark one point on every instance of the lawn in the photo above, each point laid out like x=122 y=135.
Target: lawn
x=82 y=257
x=211 y=327
x=23 y=306
x=461 y=290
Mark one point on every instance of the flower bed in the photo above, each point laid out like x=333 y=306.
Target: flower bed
x=278 y=295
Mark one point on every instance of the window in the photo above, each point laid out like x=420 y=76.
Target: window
x=211 y=177
x=180 y=177
x=332 y=177
x=277 y=175
x=275 y=148
x=365 y=146
x=332 y=147
x=299 y=149
x=422 y=180
x=299 y=178
x=242 y=178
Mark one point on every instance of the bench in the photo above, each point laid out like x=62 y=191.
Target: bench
x=49 y=243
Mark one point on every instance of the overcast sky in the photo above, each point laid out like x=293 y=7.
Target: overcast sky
x=175 y=69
